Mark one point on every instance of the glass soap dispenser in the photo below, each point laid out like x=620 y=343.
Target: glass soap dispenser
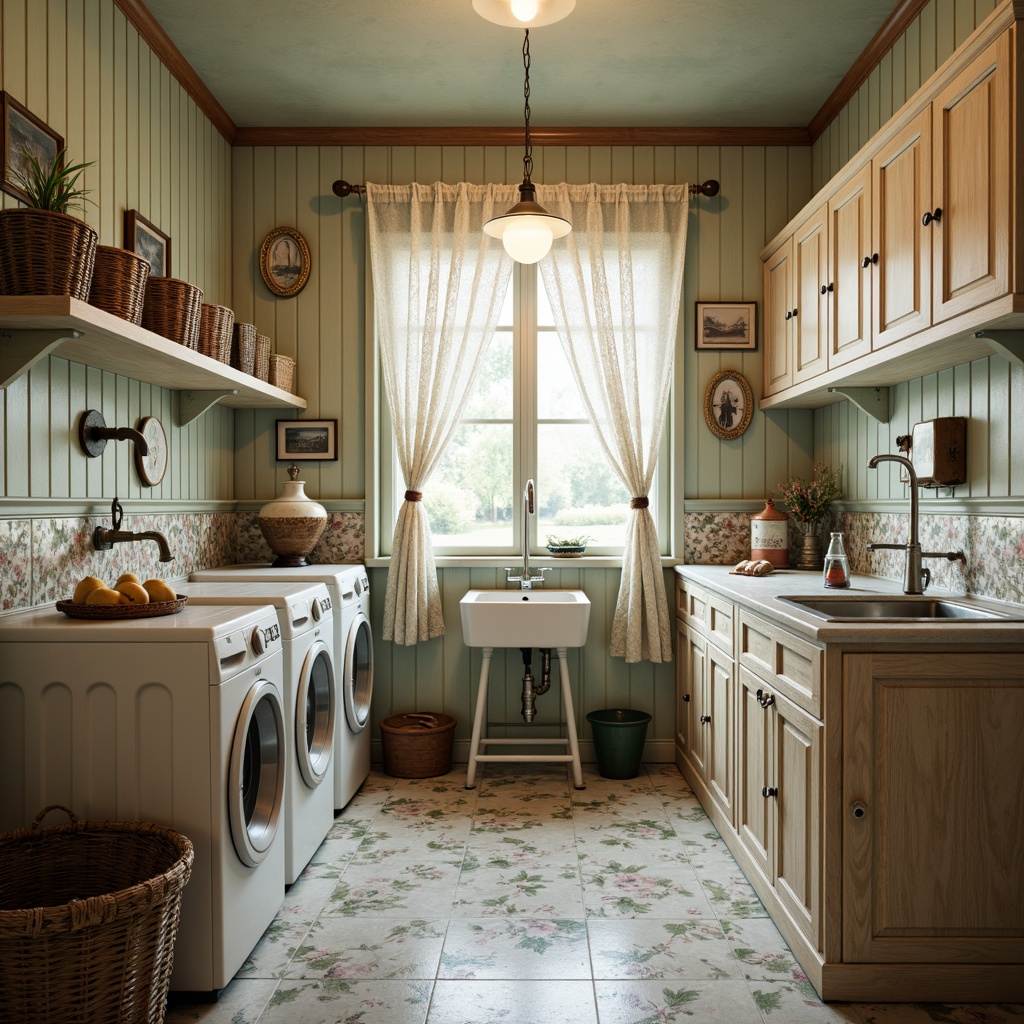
x=837 y=565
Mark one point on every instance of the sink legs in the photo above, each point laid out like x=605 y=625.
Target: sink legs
x=480 y=740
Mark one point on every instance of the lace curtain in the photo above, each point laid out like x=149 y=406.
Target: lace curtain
x=614 y=286
x=439 y=283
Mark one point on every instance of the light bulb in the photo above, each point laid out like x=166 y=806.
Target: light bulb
x=527 y=239
x=525 y=10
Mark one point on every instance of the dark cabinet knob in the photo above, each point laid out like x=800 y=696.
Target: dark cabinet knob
x=686 y=698
x=826 y=288
x=705 y=719
x=789 y=314
x=766 y=700
x=769 y=791
x=868 y=260
x=794 y=314
x=934 y=215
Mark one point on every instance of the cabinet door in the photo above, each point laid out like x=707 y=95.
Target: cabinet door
x=850 y=248
x=719 y=742
x=778 y=319
x=695 y=653
x=754 y=818
x=971 y=241
x=933 y=813
x=901 y=193
x=810 y=267
x=684 y=689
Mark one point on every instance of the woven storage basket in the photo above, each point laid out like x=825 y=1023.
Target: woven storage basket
x=172 y=309
x=417 y=746
x=119 y=282
x=243 y=347
x=45 y=253
x=88 y=915
x=215 y=327
x=261 y=362
x=282 y=372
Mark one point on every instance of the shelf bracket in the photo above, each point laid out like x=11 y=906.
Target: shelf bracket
x=192 y=404
x=873 y=401
x=21 y=349
x=1008 y=343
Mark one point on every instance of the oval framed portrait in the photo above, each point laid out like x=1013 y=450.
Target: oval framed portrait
x=728 y=404
x=284 y=261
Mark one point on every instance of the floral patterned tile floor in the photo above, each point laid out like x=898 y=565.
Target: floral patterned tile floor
x=527 y=902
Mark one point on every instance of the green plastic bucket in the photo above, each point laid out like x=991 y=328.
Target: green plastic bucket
x=618 y=741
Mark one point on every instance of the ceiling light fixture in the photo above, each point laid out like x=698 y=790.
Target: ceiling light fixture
x=523 y=13
x=527 y=230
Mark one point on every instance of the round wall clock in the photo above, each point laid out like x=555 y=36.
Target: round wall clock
x=152 y=466
x=728 y=405
x=284 y=261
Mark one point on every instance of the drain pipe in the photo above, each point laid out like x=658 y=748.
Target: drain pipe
x=531 y=692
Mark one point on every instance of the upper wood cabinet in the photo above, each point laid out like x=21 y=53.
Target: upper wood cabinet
x=897 y=265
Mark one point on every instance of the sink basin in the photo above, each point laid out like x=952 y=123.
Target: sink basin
x=890 y=608
x=525 y=618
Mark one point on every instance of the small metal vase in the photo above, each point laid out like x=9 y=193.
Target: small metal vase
x=810 y=551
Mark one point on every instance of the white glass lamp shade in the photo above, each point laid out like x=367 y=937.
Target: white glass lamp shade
x=523 y=13
x=527 y=230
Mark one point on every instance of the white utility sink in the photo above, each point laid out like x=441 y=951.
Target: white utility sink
x=525 y=618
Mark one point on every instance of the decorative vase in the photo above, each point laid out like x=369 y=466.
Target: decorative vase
x=293 y=523
x=810 y=551
x=769 y=536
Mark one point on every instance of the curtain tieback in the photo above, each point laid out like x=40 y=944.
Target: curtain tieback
x=413 y=495
x=643 y=502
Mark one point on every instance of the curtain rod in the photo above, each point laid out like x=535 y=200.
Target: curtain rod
x=343 y=188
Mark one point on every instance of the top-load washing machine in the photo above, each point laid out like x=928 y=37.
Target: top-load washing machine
x=305 y=613
x=353 y=645
x=174 y=719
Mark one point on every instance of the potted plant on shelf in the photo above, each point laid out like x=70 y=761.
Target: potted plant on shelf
x=809 y=503
x=567 y=547
x=44 y=250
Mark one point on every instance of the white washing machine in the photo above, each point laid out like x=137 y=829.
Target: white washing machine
x=305 y=613
x=176 y=719
x=353 y=646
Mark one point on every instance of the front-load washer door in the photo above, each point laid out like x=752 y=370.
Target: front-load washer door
x=314 y=715
x=358 y=673
x=256 y=773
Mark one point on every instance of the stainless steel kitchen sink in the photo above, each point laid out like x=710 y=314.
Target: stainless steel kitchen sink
x=890 y=608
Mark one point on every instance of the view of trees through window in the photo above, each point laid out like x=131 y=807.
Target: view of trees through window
x=518 y=425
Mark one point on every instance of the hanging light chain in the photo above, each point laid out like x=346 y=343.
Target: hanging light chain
x=528 y=151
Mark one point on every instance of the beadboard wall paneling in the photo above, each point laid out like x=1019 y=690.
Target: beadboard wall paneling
x=82 y=68
x=323 y=327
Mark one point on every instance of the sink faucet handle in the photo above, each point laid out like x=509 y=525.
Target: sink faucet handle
x=886 y=547
x=926 y=578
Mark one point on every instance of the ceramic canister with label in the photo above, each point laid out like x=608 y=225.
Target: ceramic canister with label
x=769 y=536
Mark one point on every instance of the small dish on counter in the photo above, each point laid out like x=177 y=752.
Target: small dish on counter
x=121 y=611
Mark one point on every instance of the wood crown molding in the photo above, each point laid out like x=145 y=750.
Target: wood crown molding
x=172 y=58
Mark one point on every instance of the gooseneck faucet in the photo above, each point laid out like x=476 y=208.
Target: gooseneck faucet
x=104 y=540
x=525 y=579
x=915 y=578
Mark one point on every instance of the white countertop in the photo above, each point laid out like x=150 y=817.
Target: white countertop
x=762 y=595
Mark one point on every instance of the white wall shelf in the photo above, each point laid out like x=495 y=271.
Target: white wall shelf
x=33 y=327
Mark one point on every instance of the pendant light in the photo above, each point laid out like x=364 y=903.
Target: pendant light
x=523 y=13
x=527 y=230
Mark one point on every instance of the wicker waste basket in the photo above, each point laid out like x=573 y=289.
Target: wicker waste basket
x=417 y=746
x=88 y=915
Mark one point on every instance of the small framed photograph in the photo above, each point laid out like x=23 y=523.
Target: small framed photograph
x=284 y=261
x=24 y=133
x=307 y=439
x=727 y=325
x=149 y=242
x=728 y=405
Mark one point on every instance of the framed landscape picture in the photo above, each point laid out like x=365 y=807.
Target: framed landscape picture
x=307 y=439
x=23 y=134
x=149 y=242
x=726 y=326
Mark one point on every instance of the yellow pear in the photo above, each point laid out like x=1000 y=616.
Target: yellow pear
x=85 y=587
x=104 y=595
x=126 y=577
x=158 y=590
x=134 y=593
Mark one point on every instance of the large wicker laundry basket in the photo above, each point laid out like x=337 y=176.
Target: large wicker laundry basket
x=417 y=746
x=88 y=915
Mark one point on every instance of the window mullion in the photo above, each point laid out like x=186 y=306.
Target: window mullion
x=527 y=403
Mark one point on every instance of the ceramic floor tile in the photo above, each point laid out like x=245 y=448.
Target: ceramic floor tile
x=760 y=951
x=272 y=954
x=783 y=1002
x=348 y=1002
x=730 y=893
x=527 y=849
x=513 y=1002
x=658 y=1002
x=381 y=847
x=402 y=889
x=551 y=891
x=241 y=1002
x=697 y=950
x=514 y=948
x=621 y=888
x=497 y=820
x=350 y=830
x=362 y=949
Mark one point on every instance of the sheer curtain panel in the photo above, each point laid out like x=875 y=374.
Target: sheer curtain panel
x=438 y=286
x=615 y=287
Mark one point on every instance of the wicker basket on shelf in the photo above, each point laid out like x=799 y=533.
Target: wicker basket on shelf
x=89 y=911
x=119 y=282
x=43 y=252
x=282 y=372
x=243 y=347
x=261 y=367
x=215 y=326
x=172 y=309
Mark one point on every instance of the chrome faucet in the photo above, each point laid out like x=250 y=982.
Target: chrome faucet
x=525 y=579
x=104 y=540
x=915 y=578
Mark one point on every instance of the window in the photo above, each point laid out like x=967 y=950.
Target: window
x=525 y=419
